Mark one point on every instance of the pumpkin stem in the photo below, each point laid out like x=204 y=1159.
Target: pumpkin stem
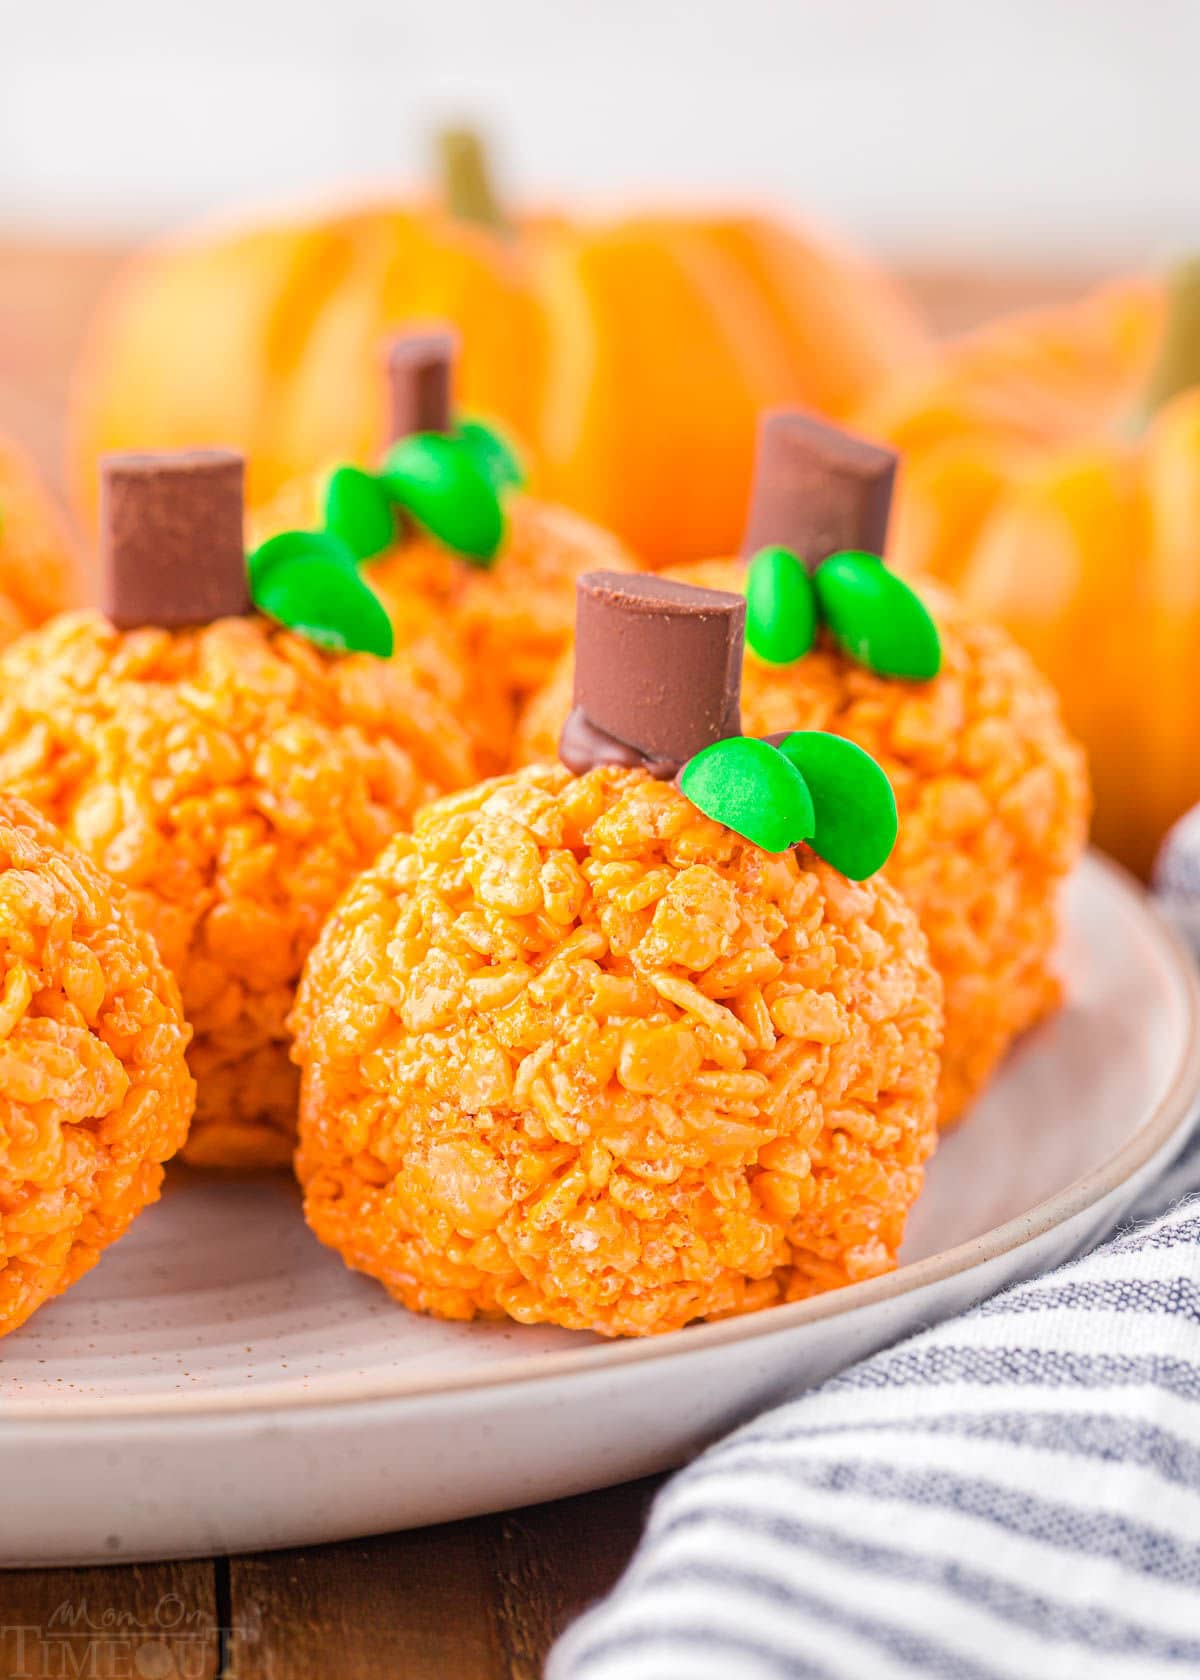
x=467 y=185
x=1177 y=365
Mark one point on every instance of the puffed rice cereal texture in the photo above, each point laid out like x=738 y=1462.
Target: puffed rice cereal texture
x=95 y=1092
x=513 y=619
x=235 y=779
x=993 y=799
x=575 y=1053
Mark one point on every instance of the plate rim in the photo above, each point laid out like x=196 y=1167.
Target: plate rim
x=1152 y=1137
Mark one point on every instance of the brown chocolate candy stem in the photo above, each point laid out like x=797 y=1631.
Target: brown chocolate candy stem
x=582 y=746
x=172 y=550
x=817 y=489
x=658 y=672
x=420 y=370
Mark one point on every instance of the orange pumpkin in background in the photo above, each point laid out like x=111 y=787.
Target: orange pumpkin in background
x=630 y=358
x=37 y=552
x=1052 y=473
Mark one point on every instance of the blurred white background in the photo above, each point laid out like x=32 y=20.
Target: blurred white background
x=993 y=130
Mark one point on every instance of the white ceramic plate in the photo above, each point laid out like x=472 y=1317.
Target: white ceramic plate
x=221 y=1383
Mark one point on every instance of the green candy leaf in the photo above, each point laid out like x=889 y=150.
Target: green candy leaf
x=876 y=618
x=494 y=454
x=358 y=510
x=439 y=481
x=781 y=607
x=308 y=581
x=280 y=550
x=855 y=807
x=753 y=790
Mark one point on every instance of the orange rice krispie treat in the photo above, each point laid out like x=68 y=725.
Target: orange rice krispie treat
x=95 y=1092
x=38 y=571
x=233 y=775
x=576 y=1052
x=992 y=790
x=452 y=543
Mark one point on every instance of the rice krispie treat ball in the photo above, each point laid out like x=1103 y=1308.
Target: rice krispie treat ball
x=452 y=543
x=576 y=1052
x=95 y=1093
x=991 y=789
x=232 y=774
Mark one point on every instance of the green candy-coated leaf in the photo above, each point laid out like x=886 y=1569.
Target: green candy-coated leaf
x=876 y=618
x=493 y=452
x=440 y=483
x=753 y=790
x=855 y=807
x=287 y=546
x=781 y=607
x=322 y=597
x=358 y=510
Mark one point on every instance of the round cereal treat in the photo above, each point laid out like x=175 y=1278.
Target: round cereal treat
x=232 y=775
x=992 y=794
x=575 y=1052
x=95 y=1092
x=498 y=587
x=516 y=618
x=489 y=637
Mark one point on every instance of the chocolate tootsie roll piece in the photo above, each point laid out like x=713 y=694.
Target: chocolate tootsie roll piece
x=172 y=551
x=420 y=370
x=817 y=489
x=658 y=672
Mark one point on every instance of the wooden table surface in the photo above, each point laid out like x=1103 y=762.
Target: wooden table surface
x=478 y=1600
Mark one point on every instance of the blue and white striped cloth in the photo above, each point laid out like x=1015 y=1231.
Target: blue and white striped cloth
x=1013 y=1495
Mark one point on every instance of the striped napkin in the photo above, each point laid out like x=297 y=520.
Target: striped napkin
x=1013 y=1495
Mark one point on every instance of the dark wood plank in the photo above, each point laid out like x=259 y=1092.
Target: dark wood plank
x=481 y=1600
x=155 y=1621
x=552 y=1561
x=416 y=1606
